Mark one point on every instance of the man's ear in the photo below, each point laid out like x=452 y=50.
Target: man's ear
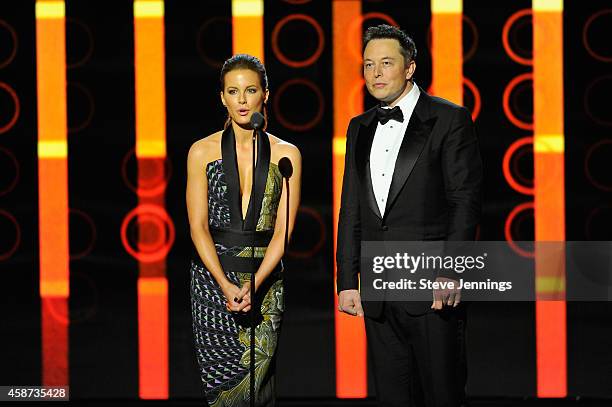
x=410 y=70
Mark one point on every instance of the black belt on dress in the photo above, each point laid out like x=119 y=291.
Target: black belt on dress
x=229 y=238
x=244 y=238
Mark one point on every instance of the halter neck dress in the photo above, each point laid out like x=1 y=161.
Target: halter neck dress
x=222 y=338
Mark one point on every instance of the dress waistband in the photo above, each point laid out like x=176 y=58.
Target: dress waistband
x=228 y=237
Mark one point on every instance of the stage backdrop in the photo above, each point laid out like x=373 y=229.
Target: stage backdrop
x=100 y=102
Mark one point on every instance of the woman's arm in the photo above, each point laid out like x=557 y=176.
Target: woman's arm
x=275 y=250
x=197 y=211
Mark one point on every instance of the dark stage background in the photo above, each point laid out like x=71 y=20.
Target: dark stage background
x=103 y=342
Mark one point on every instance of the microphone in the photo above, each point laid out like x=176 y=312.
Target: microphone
x=257 y=120
x=285 y=167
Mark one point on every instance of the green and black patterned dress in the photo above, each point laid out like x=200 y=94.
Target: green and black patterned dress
x=222 y=338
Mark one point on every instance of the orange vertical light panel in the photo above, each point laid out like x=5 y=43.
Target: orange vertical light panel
x=549 y=197
x=149 y=60
x=447 y=49
x=351 y=368
x=53 y=189
x=248 y=28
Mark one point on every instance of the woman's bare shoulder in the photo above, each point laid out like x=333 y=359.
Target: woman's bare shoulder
x=206 y=149
x=213 y=138
x=281 y=148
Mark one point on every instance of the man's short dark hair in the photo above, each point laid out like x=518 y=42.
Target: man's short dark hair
x=385 y=31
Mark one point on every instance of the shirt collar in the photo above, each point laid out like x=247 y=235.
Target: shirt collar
x=409 y=101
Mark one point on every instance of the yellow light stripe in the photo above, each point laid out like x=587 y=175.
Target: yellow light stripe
x=58 y=289
x=545 y=284
x=549 y=143
x=247 y=8
x=339 y=146
x=547 y=5
x=447 y=6
x=153 y=286
x=148 y=9
x=151 y=148
x=50 y=9
x=53 y=149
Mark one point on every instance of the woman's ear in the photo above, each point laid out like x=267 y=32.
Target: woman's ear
x=222 y=99
x=267 y=95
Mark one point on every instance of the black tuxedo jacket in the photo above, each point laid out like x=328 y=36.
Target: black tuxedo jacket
x=435 y=191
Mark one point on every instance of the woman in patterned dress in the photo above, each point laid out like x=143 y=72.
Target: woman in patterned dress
x=221 y=202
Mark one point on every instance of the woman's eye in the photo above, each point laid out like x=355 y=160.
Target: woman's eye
x=252 y=90
x=232 y=92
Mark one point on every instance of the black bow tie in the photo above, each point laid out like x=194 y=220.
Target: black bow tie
x=384 y=115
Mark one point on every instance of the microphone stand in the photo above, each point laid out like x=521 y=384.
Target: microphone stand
x=286 y=170
x=258 y=122
x=286 y=245
x=252 y=288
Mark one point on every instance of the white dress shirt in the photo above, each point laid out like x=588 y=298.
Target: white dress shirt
x=386 y=145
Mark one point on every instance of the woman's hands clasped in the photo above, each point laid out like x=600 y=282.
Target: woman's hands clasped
x=237 y=299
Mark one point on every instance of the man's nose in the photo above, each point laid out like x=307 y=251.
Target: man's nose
x=377 y=71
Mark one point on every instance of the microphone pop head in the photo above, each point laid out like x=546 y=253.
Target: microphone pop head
x=257 y=120
x=285 y=167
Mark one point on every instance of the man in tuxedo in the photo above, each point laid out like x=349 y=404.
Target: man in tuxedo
x=413 y=172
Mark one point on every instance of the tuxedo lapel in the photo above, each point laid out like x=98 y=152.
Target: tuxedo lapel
x=417 y=133
x=365 y=136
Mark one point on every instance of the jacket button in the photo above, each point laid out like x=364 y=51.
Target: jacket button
x=385 y=228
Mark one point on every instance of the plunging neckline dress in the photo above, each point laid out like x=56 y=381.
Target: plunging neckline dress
x=222 y=338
